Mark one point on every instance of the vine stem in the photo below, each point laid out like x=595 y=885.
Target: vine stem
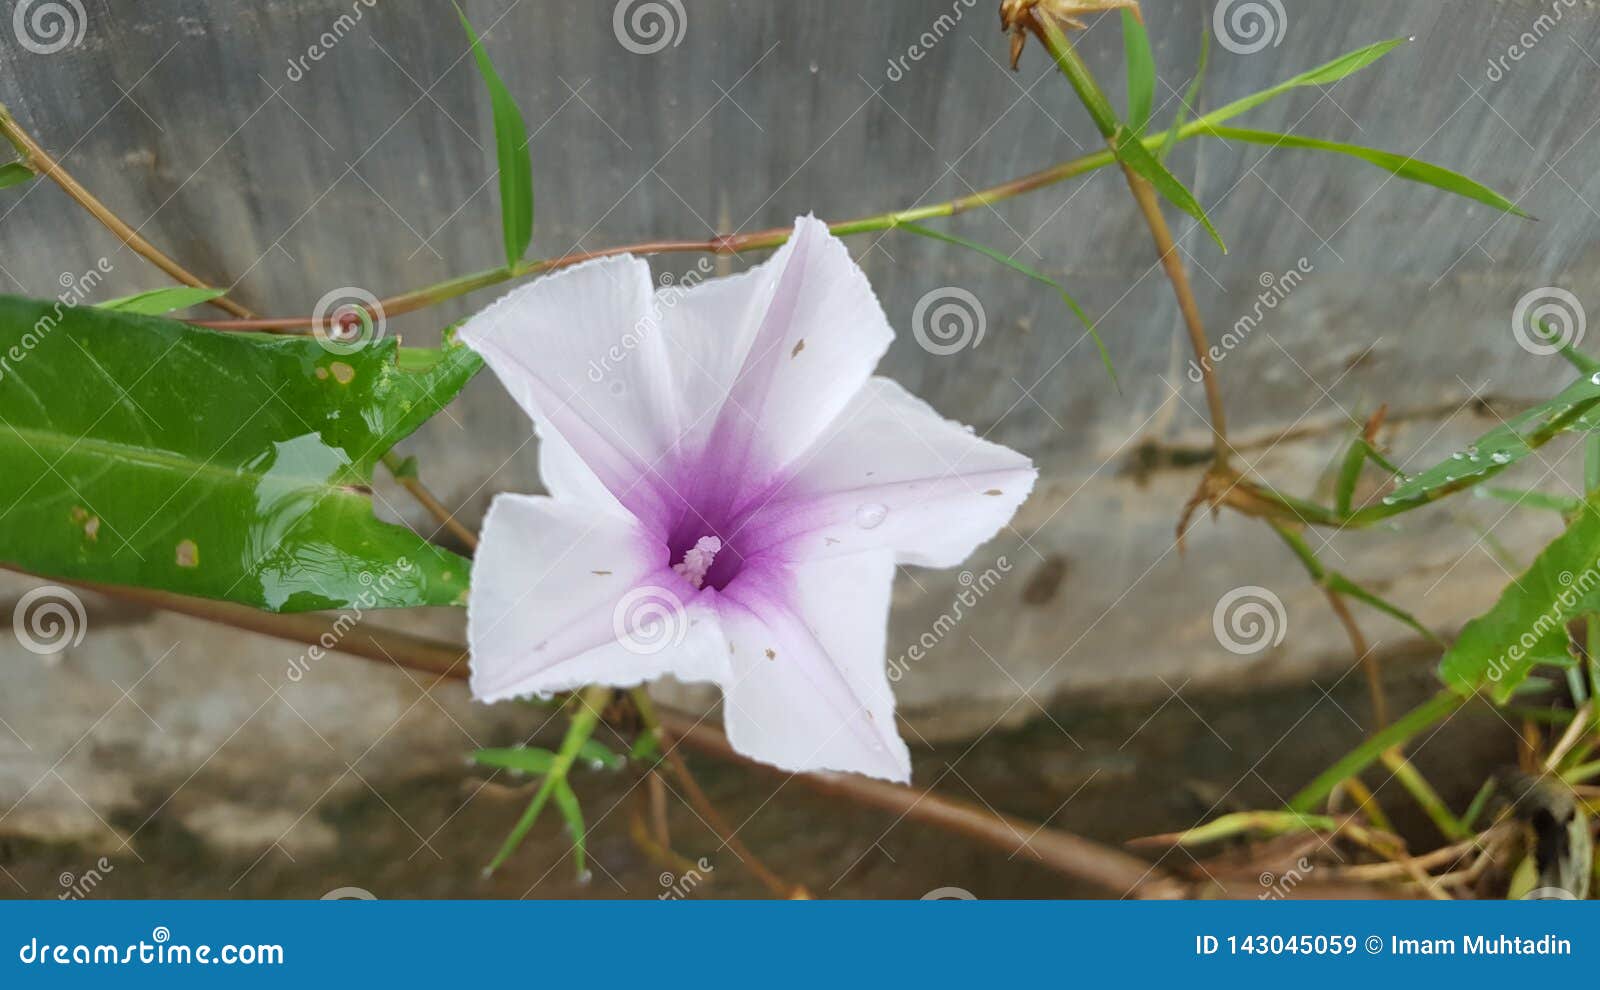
x=1105 y=867
x=1094 y=100
x=703 y=806
x=41 y=162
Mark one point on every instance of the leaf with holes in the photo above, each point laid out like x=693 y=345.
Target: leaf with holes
x=142 y=451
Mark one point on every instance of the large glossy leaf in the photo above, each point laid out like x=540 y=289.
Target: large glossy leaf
x=1403 y=166
x=510 y=152
x=138 y=450
x=1528 y=625
x=1575 y=408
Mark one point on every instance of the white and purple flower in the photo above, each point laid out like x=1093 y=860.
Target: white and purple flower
x=730 y=492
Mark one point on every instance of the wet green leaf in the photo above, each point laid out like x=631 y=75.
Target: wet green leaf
x=1527 y=626
x=155 y=302
x=511 y=154
x=598 y=753
x=1141 y=65
x=1403 y=166
x=1573 y=409
x=142 y=451
x=1132 y=152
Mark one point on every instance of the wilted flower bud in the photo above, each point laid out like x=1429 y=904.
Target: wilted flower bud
x=1019 y=16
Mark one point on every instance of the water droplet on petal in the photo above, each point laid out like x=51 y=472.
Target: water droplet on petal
x=871 y=514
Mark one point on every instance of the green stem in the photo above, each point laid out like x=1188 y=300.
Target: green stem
x=1426 y=797
x=591 y=702
x=1422 y=717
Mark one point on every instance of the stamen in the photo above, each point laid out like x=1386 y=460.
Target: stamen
x=697 y=560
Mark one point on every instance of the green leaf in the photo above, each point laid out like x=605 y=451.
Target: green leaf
x=646 y=748
x=1528 y=624
x=1531 y=500
x=138 y=450
x=155 y=302
x=1403 y=166
x=1141 y=64
x=567 y=804
x=1501 y=447
x=1349 y=473
x=1132 y=152
x=1322 y=75
x=598 y=753
x=525 y=759
x=15 y=174
x=1338 y=582
x=1421 y=718
x=1190 y=98
x=1035 y=274
x=511 y=154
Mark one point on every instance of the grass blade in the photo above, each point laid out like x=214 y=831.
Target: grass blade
x=1402 y=166
x=158 y=301
x=524 y=759
x=1132 y=152
x=14 y=174
x=1035 y=274
x=1141 y=64
x=567 y=804
x=1322 y=75
x=1190 y=98
x=511 y=154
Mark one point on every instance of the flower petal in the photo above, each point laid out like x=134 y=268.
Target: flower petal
x=563 y=596
x=891 y=472
x=808 y=689
x=579 y=351
x=782 y=349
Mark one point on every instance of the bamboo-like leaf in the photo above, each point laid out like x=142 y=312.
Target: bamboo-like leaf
x=1421 y=718
x=141 y=451
x=1338 y=582
x=511 y=154
x=1574 y=408
x=567 y=804
x=1132 y=152
x=1322 y=75
x=1033 y=273
x=600 y=755
x=155 y=302
x=1141 y=66
x=15 y=174
x=1528 y=624
x=1531 y=500
x=1190 y=98
x=525 y=759
x=1403 y=166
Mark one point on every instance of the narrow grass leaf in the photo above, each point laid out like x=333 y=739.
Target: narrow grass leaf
x=1141 y=65
x=511 y=154
x=567 y=804
x=1132 y=152
x=1191 y=99
x=523 y=759
x=158 y=301
x=1322 y=75
x=598 y=753
x=15 y=174
x=1404 y=166
x=1033 y=273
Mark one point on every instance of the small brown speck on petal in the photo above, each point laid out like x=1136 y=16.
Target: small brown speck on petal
x=188 y=554
x=994 y=491
x=799 y=346
x=601 y=573
x=771 y=655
